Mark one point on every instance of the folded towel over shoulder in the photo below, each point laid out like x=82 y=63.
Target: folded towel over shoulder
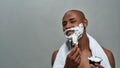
x=96 y=50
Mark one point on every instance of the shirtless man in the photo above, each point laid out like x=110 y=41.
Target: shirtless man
x=78 y=56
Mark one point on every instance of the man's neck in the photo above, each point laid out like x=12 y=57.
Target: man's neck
x=84 y=43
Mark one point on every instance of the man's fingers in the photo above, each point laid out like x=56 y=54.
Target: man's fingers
x=76 y=53
x=78 y=59
x=98 y=65
x=92 y=66
x=73 y=51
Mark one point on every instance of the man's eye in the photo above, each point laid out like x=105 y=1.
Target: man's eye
x=64 y=23
x=73 y=21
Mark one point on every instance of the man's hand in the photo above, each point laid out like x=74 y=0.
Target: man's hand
x=73 y=58
x=96 y=66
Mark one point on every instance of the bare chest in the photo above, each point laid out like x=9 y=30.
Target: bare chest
x=84 y=63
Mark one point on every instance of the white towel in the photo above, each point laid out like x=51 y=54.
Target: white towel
x=95 y=48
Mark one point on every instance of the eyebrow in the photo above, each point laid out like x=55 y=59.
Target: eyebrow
x=64 y=21
x=69 y=19
x=72 y=19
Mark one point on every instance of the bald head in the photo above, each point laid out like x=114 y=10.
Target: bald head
x=77 y=12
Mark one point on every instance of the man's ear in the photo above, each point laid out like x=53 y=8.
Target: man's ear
x=85 y=22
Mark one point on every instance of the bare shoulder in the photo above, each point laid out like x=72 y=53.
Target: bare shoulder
x=110 y=57
x=54 y=56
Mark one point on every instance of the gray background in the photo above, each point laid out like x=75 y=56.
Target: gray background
x=30 y=30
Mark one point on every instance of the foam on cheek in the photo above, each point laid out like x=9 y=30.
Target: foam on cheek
x=78 y=31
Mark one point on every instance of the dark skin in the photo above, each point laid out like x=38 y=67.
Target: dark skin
x=78 y=57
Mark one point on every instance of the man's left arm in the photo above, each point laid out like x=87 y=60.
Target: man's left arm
x=110 y=57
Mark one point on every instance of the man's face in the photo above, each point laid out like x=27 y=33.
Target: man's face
x=71 y=19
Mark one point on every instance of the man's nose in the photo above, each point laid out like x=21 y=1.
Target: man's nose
x=68 y=25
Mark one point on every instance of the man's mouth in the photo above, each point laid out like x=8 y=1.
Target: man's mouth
x=69 y=32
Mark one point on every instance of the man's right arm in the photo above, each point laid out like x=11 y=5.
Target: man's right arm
x=54 y=56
